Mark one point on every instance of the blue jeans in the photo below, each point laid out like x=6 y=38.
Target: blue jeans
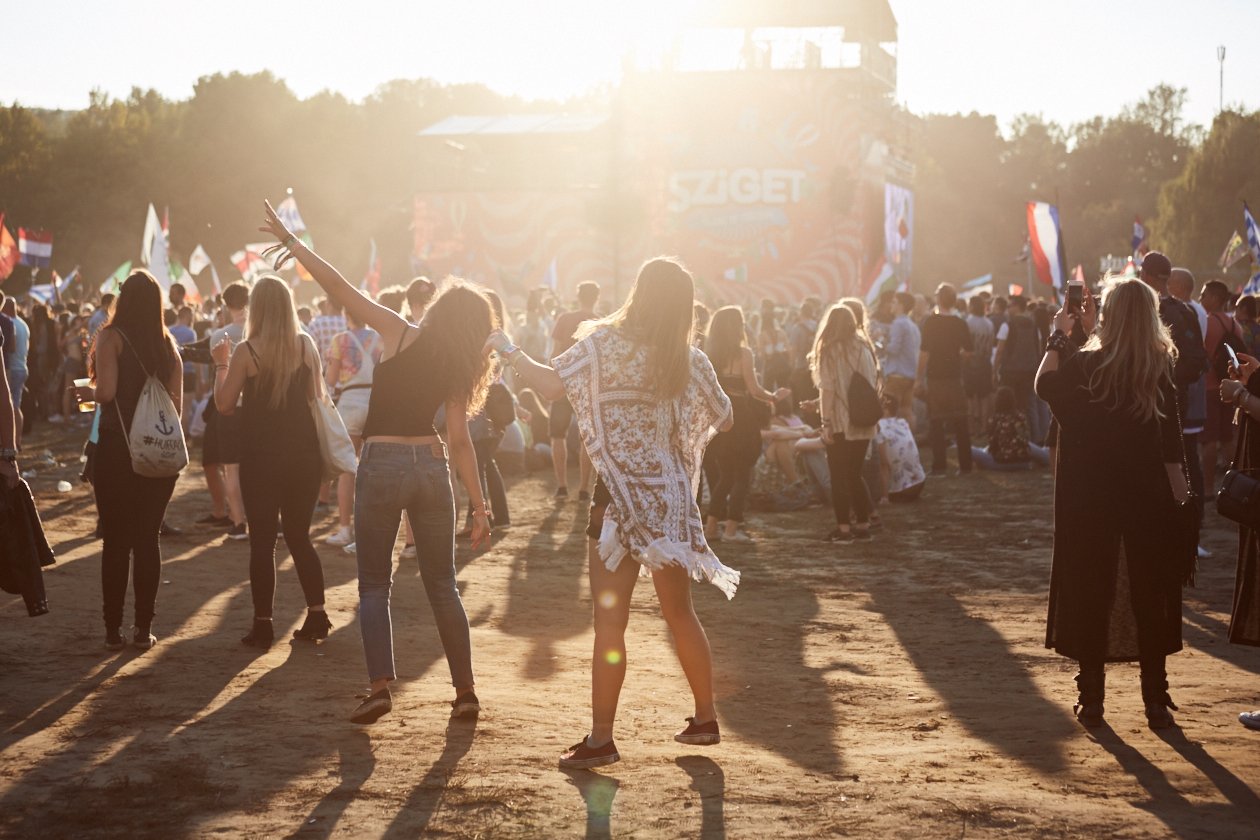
x=394 y=477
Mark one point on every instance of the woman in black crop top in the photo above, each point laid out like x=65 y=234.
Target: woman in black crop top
x=404 y=462
x=277 y=370
x=131 y=506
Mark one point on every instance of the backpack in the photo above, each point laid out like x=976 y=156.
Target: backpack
x=1183 y=325
x=1022 y=346
x=1229 y=336
x=864 y=405
x=156 y=438
x=500 y=406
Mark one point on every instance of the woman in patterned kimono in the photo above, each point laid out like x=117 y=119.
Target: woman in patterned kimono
x=647 y=404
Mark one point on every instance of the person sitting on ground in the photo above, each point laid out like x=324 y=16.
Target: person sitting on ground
x=900 y=467
x=1009 y=448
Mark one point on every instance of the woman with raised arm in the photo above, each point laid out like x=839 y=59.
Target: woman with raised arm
x=1120 y=543
x=127 y=350
x=276 y=369
x=404 y=462
x=647 y=403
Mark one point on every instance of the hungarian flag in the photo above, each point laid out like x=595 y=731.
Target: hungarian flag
x=1046 y=238
x=35 y=248
x=250 y=262
x=8 y=251
x=882 y=279
x=115 y=281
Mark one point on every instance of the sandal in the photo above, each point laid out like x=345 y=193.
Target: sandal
x=582 y=756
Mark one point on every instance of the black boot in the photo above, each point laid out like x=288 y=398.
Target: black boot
x=260 y=635
x=315 y=628
x=1091 y=686
x=1155 y=694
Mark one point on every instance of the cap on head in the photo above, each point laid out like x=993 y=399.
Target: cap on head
x=1156 y=264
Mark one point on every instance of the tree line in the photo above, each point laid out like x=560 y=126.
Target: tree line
x=355 y=167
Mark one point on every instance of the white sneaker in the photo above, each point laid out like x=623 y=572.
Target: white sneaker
x=408 y=553
x=738 y=537
x=351 y=548
x=1204 y=553
x=1251 y=720
x=343 y=537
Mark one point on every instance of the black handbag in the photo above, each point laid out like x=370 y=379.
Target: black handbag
x=864 y=405
x=1239 y=497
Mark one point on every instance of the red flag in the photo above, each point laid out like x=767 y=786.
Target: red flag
x=8 y=251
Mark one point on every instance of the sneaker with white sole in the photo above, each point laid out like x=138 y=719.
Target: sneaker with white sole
x=699 y=734
x=739 y=538
x=352 y=548
x=1251 y=720
x=582 y=756
x=343 y=537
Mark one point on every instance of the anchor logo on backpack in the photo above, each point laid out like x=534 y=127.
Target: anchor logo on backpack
x=162 y=426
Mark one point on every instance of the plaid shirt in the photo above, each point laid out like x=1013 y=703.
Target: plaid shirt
x=323 y=328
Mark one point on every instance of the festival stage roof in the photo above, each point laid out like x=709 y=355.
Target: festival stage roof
x=861 y=19
x=515 y=124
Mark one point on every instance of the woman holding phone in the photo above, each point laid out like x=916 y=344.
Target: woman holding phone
x=1118 y=567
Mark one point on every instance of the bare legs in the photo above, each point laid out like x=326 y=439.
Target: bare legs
x=611 y=593
x=232 y=490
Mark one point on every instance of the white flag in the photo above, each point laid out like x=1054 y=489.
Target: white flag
x=152 y=230
x=198 y=261
x=159 y=263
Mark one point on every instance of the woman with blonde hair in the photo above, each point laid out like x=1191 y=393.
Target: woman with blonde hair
x=275 y=373
x=842 y=355
x=404 y=465
x=647 y=403
x=1120 y=545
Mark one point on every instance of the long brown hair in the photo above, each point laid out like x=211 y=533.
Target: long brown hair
x=1136 y=349
x=456 y=326
x=726 y=337
x=659 y=314
x=138 y=316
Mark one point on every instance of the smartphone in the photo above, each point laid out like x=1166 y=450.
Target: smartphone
x=1075 y=298
x=1233 y=357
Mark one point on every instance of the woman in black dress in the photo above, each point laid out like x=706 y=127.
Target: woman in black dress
x=1243 y=390
x=1115 y=585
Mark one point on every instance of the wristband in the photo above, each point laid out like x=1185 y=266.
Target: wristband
x=1058 y=342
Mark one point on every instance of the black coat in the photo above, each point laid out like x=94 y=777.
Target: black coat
x=23 y=548
x=1115 y=583
x=1244 y=624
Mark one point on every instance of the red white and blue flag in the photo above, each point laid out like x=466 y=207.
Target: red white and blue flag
x=1046 y=238
x=35 y=247
x=1138 y=242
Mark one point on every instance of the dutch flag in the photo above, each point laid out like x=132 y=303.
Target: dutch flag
x=35 y=248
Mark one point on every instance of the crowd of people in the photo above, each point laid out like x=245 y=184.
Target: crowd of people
x=681 y=421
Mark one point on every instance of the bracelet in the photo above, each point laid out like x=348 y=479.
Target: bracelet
x=1058 y=342
x=290 y=241
x=220 y=367
x=483 y=512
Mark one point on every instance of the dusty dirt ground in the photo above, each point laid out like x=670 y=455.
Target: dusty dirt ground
x=893 y=689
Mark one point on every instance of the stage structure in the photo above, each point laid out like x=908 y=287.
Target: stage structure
x=764 y=147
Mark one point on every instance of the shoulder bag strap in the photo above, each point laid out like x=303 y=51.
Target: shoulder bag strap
x=133 y=352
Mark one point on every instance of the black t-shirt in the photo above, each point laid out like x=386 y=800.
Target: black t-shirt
x=945 y=338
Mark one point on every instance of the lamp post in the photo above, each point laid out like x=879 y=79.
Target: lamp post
x=1220 y=58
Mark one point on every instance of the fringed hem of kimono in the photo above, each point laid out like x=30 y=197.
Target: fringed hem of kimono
x=700 y=566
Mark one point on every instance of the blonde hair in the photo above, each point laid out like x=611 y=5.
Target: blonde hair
x=1136 y=349
x=272 y=330
x=839 y=333
x=659 y=314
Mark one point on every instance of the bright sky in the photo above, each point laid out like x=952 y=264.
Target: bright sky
x=1068 y=60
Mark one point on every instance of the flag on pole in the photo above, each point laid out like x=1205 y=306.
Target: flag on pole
x=214 y=279
x=44 y=292
x=250 y=262
x=159 y=264
x=35 y=248
x=152 y=227
x=883 y=278
x=1235 y=250
x=1253 y=236
x=1139 y=236
x=372 y=280
x=8 y=251
x=67 y=282
x=1046 y=238
x=551 y=277
x=115 y=281
x=198 y=260
x=180 y=275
